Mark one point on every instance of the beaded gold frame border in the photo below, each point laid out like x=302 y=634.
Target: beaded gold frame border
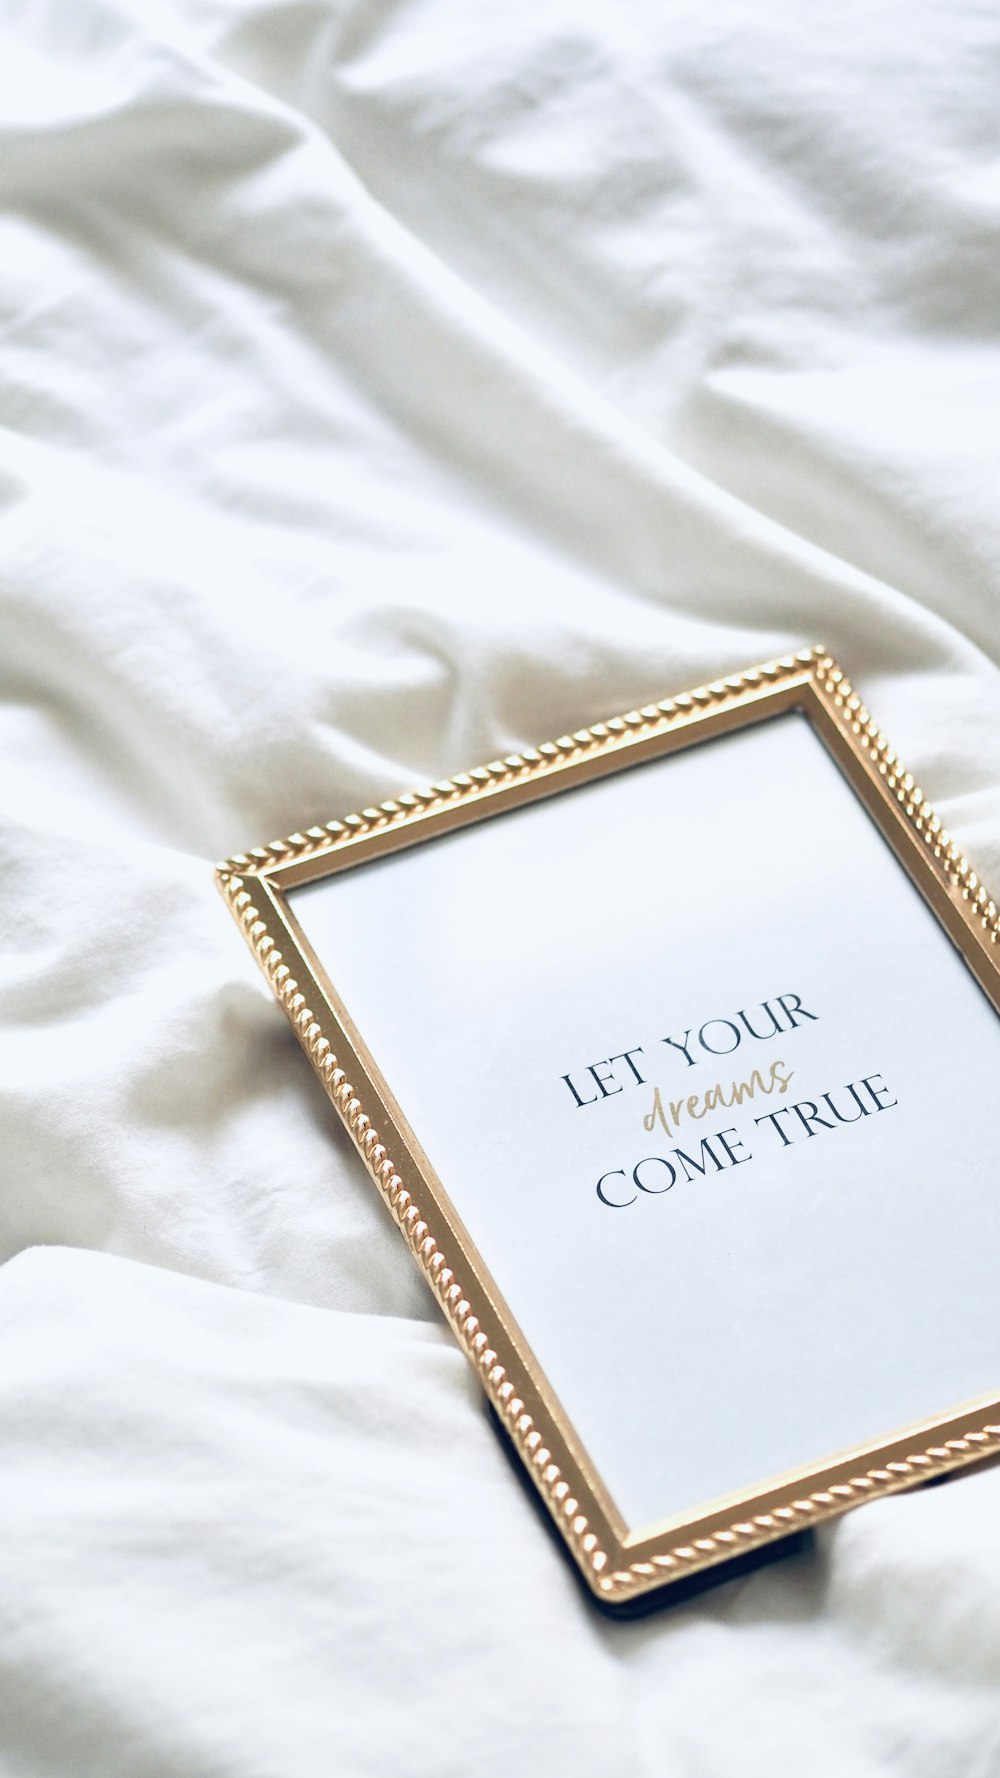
x=618 y=1566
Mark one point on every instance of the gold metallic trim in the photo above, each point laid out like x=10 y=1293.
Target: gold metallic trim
x=617 y=1565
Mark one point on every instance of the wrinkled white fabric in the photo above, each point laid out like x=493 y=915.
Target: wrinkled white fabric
x=383 y=388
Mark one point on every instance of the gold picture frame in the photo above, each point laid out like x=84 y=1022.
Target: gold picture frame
x=620 y=1565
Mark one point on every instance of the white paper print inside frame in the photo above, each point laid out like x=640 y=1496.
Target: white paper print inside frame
x=694 y=986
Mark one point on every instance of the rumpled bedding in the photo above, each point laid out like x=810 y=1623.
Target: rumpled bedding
x=384 y=387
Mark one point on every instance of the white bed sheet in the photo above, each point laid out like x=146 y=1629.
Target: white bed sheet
x=382 y=388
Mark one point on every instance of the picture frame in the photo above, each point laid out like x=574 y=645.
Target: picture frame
x=693 y=1358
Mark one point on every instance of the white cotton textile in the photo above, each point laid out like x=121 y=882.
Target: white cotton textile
x=383 y=388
